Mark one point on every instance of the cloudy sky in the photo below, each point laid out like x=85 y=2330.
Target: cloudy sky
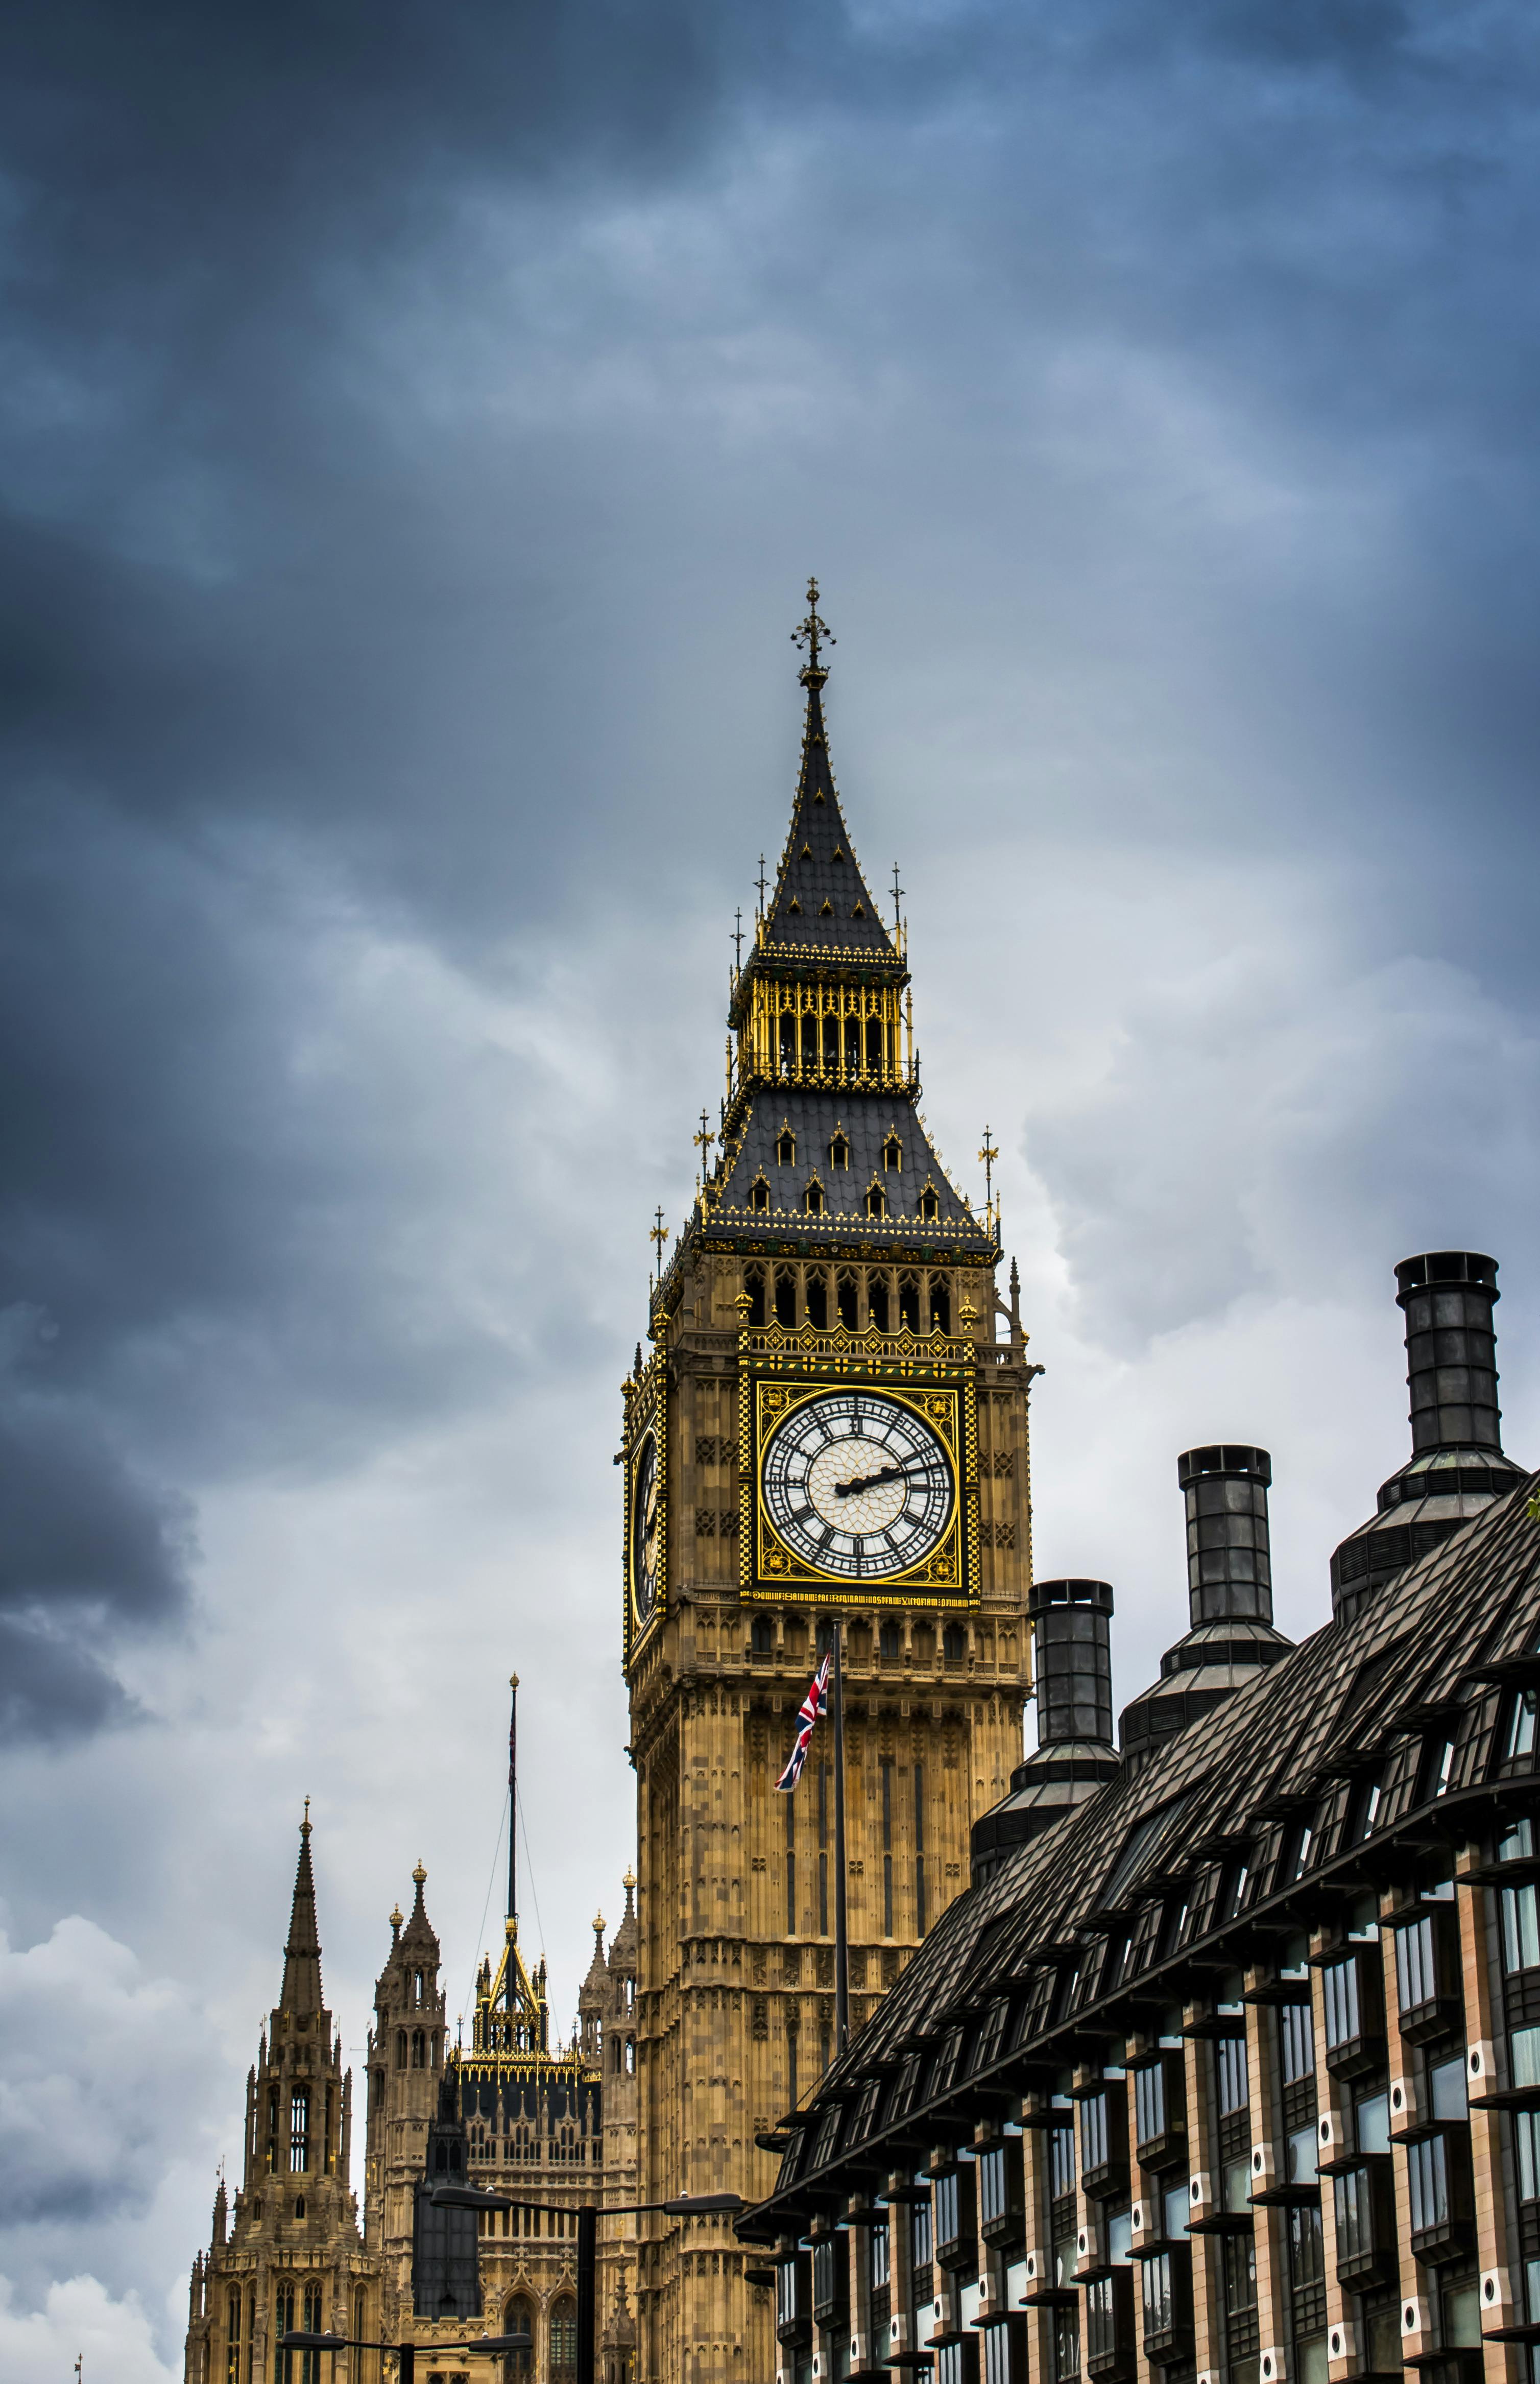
x=416 y=426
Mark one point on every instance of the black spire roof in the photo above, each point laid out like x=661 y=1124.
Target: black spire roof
x=820 y=901
x=301 y=1954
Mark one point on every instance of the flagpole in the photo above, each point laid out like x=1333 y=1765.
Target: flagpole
x=841 y=1953
x=513 y=1826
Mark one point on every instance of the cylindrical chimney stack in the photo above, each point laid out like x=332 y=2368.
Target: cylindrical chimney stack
x=1075 y=1756
x=1229 y=1553
x=1457 y=1465
x=1224 y=1490
x=1072 y=1660
x=1447 y=1297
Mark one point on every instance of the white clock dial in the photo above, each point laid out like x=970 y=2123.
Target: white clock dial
x=645 y=1529
x=857 y=1484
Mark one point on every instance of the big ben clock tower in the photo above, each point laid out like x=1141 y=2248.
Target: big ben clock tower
x=826 y=1425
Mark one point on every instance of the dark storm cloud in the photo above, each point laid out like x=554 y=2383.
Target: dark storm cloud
x=302 y=612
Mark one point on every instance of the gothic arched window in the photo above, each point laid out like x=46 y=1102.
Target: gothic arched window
x=299 y=2130
x=839 y=1151
x=785 y=1148
x=813 y=1198
x=889 y=1643
x=401 y=2048
x=874 y=1047
x=762 y=1635
x=789 y=1043
x=930 y=1206
x=940 y=1305
x=877 y=1201
x=419 y=2049
x=852 y=1045
x=759 y=1193
x=845 y=1298
x=892 y=1152
x=283 y=2323
x=519 y=2318
x=753 y=1284
x=954 y=1642
x=909 y=1303
x=817 y=1297
x=564 y=2339
x=786 y=1296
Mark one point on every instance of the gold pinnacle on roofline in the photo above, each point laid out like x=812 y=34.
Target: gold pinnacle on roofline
x=808 y=633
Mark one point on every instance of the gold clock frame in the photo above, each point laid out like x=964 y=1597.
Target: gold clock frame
x=785 y=1369
x=646 y=1421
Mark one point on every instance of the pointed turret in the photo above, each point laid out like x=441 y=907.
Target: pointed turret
x=221 y=2214
x=622 y=1944
x=592 y=1996
x=302 y=1954
x=821 y=898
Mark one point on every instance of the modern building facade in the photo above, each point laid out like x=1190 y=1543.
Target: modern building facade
x=1226 y=2069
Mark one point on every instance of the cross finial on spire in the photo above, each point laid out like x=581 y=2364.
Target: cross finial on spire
x=988 y=1155
x=304 y=1825
x=761 y=881
x=897 y=896
x=738 y=935
x=808 y=633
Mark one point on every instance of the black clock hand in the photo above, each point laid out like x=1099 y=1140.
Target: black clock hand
x=870 y=1481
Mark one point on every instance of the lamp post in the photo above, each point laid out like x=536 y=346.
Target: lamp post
x=406 y=2352
x=682 y=2205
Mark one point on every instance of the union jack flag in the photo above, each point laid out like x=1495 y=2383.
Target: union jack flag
x=813 y=1705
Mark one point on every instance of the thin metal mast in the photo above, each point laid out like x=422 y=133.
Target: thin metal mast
x=512 y=1832
x=841 y=1952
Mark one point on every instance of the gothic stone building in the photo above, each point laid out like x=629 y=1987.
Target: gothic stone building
x=1226 y=2067
x=556 y=2123
x=825 y=1424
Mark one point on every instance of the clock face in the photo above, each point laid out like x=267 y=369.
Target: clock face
x=858 y=1486
x=644 y=1529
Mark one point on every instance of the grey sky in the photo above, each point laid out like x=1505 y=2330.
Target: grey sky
x=415 y=430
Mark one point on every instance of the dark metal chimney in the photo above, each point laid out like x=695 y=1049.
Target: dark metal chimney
x=1457 y=1465
x=1072 y=1643
x=1229 y=1596
x=1074 y=1756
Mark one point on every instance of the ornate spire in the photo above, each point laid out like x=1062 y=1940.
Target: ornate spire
x=302 y=1954
x=821 y=898
x=808 y=633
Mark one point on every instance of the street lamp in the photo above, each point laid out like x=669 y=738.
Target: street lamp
x=681 y=2206
x=406 y=2352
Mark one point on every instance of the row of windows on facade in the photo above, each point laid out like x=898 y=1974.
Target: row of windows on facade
x=1419 y=1772
x=522 y=2142
x=988 y=2201
x=874 y=1201
x=834 y=1296
x=417 y=2050
x=814 y=1046
x=1425 y=2112
x=305 y=2366
x=954 y=1640
x=1427 y=1971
